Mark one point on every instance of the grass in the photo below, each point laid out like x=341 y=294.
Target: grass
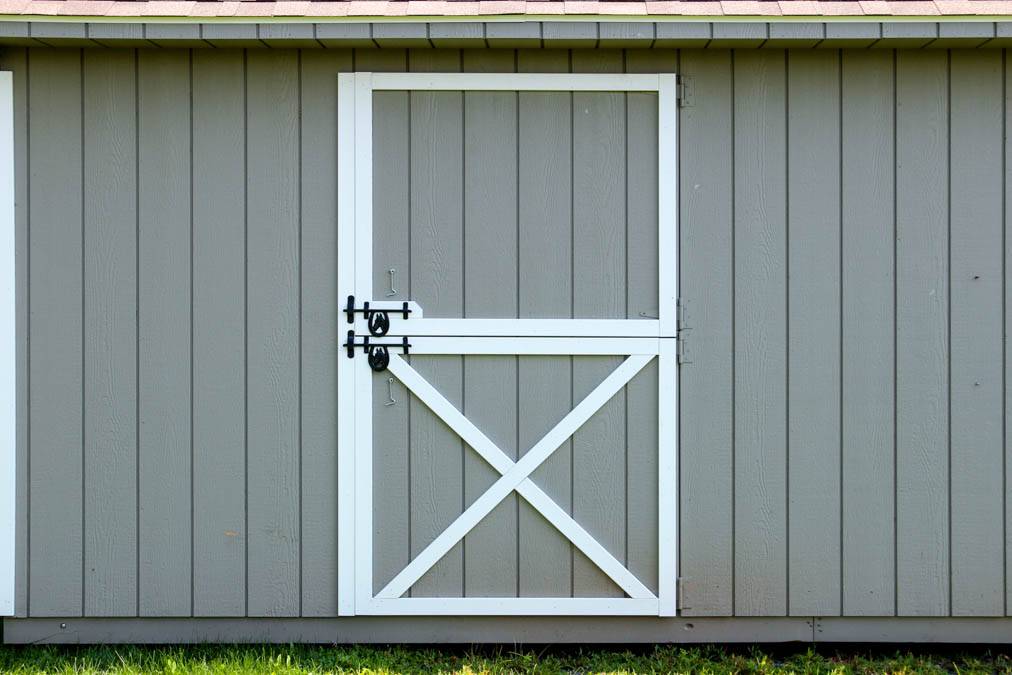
x=297 y=660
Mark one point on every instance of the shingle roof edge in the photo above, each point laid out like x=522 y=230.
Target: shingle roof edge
x=712 y=10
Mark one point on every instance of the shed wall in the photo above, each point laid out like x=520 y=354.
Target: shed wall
x=843 y=260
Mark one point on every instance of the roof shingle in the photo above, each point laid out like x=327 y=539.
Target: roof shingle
x=437 y=8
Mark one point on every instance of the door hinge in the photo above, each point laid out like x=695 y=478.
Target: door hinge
x=684 y=90
x=680 y=594
x=681 y=329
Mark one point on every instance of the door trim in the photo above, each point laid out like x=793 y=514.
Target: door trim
x=8 y=351
x=639 y=340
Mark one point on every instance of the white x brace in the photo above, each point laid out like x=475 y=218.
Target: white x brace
x=516 y=476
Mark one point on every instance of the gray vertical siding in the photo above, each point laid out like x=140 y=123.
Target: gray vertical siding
x=868 y=333
x=164 y=349
x=110 y=335
x=843 y=271
x=545 y=216
x=922 y=334
x=219 y=335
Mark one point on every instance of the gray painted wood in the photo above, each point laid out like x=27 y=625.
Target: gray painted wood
x=733 y=216
x=599 y=291
x=760 y=323
x=868 y=311
x=922 y=339
x=437 y=270
x=164 y=333
x=977 y=504
x=110 y=334
x=457 y=34
x=641 y=300
x=391 y=250
x=56 y=335
x=491 y=289
x=321 y=330
x=706 y=448
x=219 y=335
x=454 y=630
x=545 y=255
x=1007 y=355
x=813 y=391
x=491 y=549
x=274 y=308
x=893 y=32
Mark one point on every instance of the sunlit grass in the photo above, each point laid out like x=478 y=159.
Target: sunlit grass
x=298 y=660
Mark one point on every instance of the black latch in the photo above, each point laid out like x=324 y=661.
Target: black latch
x=378 y=319
x=377 y=353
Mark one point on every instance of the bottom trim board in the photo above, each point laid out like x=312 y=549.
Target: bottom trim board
x=510 y=630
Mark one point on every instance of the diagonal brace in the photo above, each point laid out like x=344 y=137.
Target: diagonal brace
x=515 y=476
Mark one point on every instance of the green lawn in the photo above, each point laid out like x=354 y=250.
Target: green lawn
x=285 y=660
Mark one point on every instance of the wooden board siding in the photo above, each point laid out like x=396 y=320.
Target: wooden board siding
x=164 y=350
x=867 y=249
x=219 y=325
x=844 y=268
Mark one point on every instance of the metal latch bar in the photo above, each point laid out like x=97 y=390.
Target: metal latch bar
x=378 y=319
x=377 y=353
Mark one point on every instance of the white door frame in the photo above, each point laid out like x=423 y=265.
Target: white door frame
x=640 y=341
x=8 y=349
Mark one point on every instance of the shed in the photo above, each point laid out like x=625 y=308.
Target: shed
x=433 y=321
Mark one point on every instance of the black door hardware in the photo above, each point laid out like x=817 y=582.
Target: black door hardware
x=378 y=319
x=377 y=353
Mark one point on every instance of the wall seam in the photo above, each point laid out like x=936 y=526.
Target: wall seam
x=406 y=394
x=463 y=302
x=137 y=332
x=734 y=347
x=245 y=329
x=192 y=447
x=625 y=266
x=84 y=367
x=301 y=332
x=1004 y=318
x=840 y=243
x=948 y=311
x=516 y=363
x=895 y=242
x=28 y=328
x=787 y=328
x=572 y=313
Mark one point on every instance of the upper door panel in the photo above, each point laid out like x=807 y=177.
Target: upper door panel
x=517 y=204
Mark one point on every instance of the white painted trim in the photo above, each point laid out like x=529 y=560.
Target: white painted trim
x=8 y=350
x=667 y=478
x=363 y=482
x=667 y=204
x=511 y=479
x=525 y=327
x=537 y=498
x=363 y=374
x=512 y=606
x=363 y=186
x=345 y=367
x=515 y=81
x=640 y=340
x=667 y=374
x=533 y=346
